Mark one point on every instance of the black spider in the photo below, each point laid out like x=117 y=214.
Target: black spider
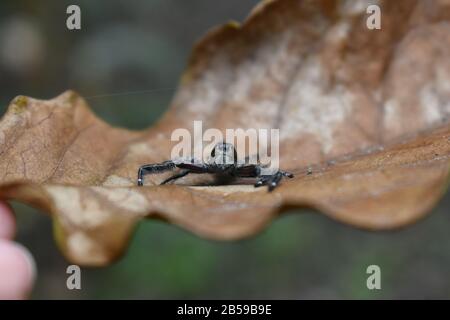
x=223 y=162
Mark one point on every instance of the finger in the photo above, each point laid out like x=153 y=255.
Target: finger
x=7 y=221
x=17 y=271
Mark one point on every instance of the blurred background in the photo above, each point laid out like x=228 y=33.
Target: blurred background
x=126 y=60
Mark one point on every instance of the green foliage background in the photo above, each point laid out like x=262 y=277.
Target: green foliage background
x=125 y=47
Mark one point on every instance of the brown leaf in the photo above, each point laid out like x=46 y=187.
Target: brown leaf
x=366 y=110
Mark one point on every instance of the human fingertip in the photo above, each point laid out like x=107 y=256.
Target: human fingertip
x=7 y=221
x=17 y=271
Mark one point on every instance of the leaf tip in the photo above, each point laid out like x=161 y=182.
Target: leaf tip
x=19 y=104
x=69 y=96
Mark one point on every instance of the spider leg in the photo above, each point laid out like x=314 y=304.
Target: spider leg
x=169 y=165
x=189 y=168
x=176 y=176
x=262 y=181
x=286 y=174
x=247 y=171
x=250 y=171
x=154 y=168
x=273 y=180
x=193 y=167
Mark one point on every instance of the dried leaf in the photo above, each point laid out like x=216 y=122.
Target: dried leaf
x=366 y=110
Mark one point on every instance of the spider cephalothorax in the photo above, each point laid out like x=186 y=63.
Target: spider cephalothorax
x=223 y=161
x=223 y=154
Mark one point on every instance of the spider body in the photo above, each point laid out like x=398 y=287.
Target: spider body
x=223 y=162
